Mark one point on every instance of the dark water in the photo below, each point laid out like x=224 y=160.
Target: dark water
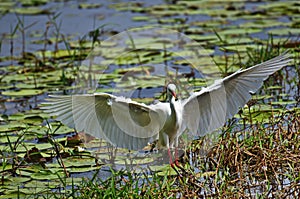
x=73 y=22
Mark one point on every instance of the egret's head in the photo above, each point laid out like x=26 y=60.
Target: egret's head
x=171 y=90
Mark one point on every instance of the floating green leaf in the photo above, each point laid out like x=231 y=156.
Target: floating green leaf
x=30 y=11
x=23 y=92
x=89 y=5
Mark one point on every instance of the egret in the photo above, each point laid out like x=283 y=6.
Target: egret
x=128 y=124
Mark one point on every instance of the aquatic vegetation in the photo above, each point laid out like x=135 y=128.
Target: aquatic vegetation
x=256 y=154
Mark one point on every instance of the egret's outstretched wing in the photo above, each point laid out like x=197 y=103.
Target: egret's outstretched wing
x=127 y=123
x=120 y=121
x=209 y=109
x=75 y=111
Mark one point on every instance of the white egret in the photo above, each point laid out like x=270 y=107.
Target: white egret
x=128 y=124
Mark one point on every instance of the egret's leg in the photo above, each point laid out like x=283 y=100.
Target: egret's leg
x=166 y=139
x=170 y=156
x=176 y=152
x=175 y=163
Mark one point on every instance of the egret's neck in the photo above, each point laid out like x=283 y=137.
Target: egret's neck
x=173 y=119
x=172 y=102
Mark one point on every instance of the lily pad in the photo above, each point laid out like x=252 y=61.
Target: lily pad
x=12 y=139
x=19 y=180
x=6 y=6
x=16 y=193
x=35 y=3
x=164 y=170
x=285 y=31
x=89 y=5
x=239 y=31
x=31 y=11
x=141 y=18
x=23 y=92
x=75 y=162
x=82 y=169
x=46 y=175
x=12 y=126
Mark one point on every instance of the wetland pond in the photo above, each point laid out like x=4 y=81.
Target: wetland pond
x=134 y=48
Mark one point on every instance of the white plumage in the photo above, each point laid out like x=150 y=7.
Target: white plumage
x=128 y=124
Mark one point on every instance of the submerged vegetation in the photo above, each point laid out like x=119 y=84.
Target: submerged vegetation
x=256 y=153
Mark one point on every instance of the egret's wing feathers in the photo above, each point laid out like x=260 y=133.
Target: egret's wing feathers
x=75 y=111
x=60 y=106
x=209 y=109
x=122 y=122
x=126 y=123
